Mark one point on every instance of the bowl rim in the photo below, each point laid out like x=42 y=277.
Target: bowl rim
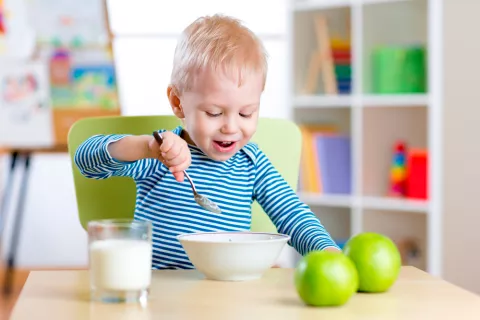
x=279 y=237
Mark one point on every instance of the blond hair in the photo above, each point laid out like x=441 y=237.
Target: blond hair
x=217 y=43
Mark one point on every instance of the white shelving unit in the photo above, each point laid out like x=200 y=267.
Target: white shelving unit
x=374 y=121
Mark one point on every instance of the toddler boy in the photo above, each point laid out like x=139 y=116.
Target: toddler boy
x=218 y=76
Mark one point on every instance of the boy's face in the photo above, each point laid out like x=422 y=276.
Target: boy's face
x=219 y=116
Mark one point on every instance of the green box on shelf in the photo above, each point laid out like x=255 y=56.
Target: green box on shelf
x=399 y=69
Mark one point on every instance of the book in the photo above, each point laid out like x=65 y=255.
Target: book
x=334 y=162
x=309 y=175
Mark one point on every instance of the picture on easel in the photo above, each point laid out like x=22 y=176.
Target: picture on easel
x=82 y=84
x=69 y=23
x=81 y=87
x=68 y=73
x=74 y=40
x=25 y=109
x=330 y=62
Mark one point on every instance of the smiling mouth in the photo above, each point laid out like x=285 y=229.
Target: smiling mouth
x=224 y=146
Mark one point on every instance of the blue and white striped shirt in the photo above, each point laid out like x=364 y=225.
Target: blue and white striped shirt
x=233 y=184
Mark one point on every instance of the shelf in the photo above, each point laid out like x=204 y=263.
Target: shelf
x=383 y=41
x=308 y=5
x=326 y=200
x=405 y=229
x=366 y=2
x=368 y=202
x=395 y=100
x=367 y=100
x=372 y=113
x=394 y=204
x=382 y=129
x=322 y=101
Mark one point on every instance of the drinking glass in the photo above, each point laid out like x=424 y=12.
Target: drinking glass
x=120 y=260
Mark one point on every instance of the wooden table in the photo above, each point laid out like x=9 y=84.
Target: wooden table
x=187 y=295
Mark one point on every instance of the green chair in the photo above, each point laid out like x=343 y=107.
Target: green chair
x=115 y=197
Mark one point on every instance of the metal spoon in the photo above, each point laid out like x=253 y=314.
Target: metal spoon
x=201 y=200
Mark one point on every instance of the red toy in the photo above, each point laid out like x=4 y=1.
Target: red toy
x=417 y=179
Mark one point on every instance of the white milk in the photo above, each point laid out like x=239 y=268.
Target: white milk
x=121 y=264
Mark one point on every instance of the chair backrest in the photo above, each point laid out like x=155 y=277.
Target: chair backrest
x=115 y=197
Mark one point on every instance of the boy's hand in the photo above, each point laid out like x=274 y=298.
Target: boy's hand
x=173 y=152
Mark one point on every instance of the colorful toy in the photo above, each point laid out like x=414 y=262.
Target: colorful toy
x=331 y=59
x=341 y=52
x=398 y=171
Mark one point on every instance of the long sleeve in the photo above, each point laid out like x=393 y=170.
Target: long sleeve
x=290 y=215
x=95 y=162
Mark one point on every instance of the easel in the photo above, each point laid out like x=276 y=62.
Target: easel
x=22 y=156
x=16 y=156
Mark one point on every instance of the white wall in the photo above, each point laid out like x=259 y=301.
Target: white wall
x=51 y=234
x=146 y=36
x=462 y=149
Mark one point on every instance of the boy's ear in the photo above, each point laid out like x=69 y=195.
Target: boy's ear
x=174 y=100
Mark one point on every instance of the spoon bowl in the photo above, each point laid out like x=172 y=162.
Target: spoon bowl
x=203 y=201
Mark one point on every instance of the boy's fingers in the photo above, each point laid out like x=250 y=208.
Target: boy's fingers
x=179 y=176
x=173 y=153
x=178 y=160
x=182 y=166
x=167 y=142
x=155 y=150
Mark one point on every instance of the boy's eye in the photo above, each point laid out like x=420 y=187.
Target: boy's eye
x=245 y=115
x=210 y=114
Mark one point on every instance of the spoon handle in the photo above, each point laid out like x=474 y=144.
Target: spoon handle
x=191 y=182
x=158 y=137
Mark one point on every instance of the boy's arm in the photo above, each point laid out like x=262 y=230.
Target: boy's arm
x=288 y=213
x=130 y=148
x=103 y=156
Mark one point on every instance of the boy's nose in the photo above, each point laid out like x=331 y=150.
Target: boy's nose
x=230 y=126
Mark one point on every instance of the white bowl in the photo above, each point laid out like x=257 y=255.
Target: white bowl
x=233 y=256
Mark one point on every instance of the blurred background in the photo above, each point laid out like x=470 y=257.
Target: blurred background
x=384 y=92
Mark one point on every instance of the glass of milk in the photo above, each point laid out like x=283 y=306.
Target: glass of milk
x=120 y=260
